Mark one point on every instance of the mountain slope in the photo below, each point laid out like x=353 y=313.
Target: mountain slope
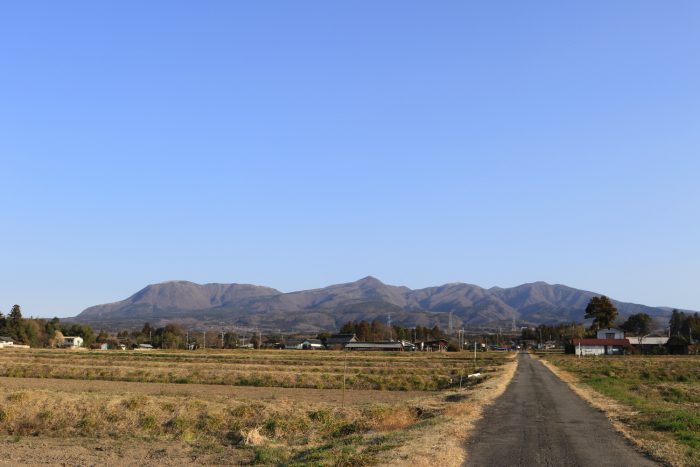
x=329 y=307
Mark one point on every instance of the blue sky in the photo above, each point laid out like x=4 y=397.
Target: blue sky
x=297 y=144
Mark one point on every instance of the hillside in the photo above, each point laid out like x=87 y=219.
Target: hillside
x=251 y=306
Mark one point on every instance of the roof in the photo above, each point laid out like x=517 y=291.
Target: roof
x=649 y=340
x=5 y=339
x=601 y=341
x=341 y=338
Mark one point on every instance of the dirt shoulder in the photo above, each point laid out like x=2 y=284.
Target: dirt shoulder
x=444 y=443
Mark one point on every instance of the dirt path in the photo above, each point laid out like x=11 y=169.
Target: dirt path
x=539 y=421
x=207 y=390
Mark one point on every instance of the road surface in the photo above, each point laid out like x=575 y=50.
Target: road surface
x=539 y=421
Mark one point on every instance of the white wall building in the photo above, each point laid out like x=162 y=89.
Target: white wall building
x=72 y=342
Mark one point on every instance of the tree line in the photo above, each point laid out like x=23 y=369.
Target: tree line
x=39 y=332
x=378 y=331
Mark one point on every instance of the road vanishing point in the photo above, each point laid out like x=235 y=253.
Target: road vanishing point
x=540 y=421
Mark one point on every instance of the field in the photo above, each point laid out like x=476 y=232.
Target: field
x=239 y=407
x=659 y=399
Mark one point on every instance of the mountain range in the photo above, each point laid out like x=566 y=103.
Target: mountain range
x=251 y=306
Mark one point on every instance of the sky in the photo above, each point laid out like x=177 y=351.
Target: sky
x=297 y=144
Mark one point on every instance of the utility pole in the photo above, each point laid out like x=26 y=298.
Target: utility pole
x=345 y=369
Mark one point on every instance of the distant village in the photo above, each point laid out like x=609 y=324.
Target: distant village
x=681 y=337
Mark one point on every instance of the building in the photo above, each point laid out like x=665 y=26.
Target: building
x=610 y=333
x=99 y=346
x=303 y=344
x=648 y=344
x=6 y=342
x=609 y=341
x=438 y=345
x=339 y=341
x=72 y=342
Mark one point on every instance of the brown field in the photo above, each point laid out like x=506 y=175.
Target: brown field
x=653 y=400
x=238 y=407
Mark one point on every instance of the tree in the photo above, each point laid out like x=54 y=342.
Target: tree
x=602 y=311
x=639 y=324
x=676 y=322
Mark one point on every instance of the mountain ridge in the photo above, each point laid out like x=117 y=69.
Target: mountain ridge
x=327 y=308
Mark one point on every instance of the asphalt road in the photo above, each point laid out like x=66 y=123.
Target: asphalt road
x=540 y=421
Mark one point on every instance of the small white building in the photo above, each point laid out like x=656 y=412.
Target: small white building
x=72 y=342
x=6 y=342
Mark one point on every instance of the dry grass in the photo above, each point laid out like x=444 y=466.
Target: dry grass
x=291 y=369
x=443 y=444
x=654 y=401
x=276 y=431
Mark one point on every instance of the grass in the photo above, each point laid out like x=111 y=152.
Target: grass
x=664 y=391
x=278 y=431
x=292 y=369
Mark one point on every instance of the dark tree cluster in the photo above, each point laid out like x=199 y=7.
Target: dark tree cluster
x=560 y=333
x=684 y=326
x=37 y=332
x=378 y=331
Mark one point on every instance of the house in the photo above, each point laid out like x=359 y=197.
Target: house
x=376 y=346
x=303 y=344
x=144 y=347
x=99 y=346
x=339 y=341
x=72 y=342
x=6 y=342
x=609 y=341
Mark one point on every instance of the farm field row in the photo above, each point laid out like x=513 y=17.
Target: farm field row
x=659 y=397
x=209 y=423
x=303 y=369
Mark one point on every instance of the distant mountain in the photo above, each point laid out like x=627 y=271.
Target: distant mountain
x=251 y=306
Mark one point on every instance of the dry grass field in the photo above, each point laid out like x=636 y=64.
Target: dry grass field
x=655 y=400
x=238 y=407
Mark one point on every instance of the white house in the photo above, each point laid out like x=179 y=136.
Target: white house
x=72 y=342
x=608 y=341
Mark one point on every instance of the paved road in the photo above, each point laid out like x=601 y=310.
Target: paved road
x=539 y=421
